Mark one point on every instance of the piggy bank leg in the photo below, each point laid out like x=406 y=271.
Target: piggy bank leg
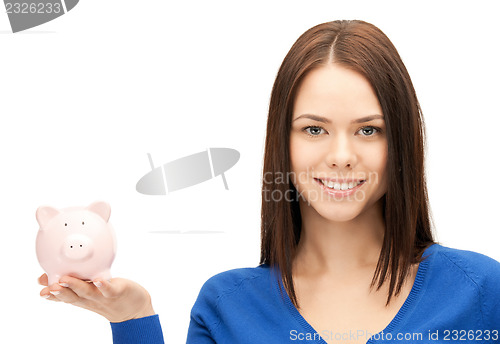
x=53 y=278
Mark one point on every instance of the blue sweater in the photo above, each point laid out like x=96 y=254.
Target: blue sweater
x=455 y=299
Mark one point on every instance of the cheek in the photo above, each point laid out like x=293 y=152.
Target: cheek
x=304 y=156
x=296 y=154
x=376 y=162
x=301 y=161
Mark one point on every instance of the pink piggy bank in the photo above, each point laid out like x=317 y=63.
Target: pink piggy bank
x=77 y=241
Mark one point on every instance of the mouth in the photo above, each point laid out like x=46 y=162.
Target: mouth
x=340 y=188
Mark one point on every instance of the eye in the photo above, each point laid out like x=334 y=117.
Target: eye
x=65 y=224
x=83 y=223
x=314 y=130
x=370 y=130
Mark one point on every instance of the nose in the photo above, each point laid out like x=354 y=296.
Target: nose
x=78 y=247
x=341 y=152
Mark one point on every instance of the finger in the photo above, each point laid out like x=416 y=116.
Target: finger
x=108 y=288
x=80 y=288
x=43 y=280
x=64 y=294
x=45 y=293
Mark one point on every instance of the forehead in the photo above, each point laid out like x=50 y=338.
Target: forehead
x=334 y=90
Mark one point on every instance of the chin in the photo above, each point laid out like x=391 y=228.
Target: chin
x=340 y=212
x=339 y=215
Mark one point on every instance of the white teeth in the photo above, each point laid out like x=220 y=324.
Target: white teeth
x=339 y=186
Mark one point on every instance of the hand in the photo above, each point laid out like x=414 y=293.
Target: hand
x=117 y=300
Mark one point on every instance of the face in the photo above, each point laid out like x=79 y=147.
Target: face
x=338 y=141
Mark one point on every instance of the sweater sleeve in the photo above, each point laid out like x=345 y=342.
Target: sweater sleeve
x=204 y=314
x=145 y=330
x=484 y=272
x=198 y=334
x=490 y=293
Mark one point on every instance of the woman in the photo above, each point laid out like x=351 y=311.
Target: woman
x=347 y=250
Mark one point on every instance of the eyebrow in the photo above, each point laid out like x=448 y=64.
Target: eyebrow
x=326 y=120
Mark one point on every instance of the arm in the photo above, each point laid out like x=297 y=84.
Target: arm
x=198 y=334
x=204 y=315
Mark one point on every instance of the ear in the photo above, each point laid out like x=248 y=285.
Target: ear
x=101 y=208
x=45 y=214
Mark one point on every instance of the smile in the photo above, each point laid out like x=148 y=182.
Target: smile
x=336 y=188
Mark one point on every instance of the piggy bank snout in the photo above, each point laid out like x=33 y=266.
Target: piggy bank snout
x=78 y=247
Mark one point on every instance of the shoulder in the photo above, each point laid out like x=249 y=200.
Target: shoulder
x=236 y=283
x=475 y=265
x=231 y=281
x=470 y=274
x=221 y=295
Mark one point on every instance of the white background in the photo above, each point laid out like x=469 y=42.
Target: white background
x=85 y=97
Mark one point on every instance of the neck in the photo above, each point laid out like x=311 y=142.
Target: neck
x=339 y=247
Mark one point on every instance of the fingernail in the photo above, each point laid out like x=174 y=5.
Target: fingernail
x=64 y=285
x=55 y=292
x=98 y=284
x=44 y=296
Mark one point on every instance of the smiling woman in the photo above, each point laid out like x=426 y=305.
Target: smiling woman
x=340 y=75
x=354 y=250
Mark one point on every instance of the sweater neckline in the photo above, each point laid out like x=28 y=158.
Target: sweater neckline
x=400 y=315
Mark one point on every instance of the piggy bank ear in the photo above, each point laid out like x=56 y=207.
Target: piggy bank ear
x=101 y=208
x=45 y=214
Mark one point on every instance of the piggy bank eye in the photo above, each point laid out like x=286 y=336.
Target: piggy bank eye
x=65 y=224
x=83 y=223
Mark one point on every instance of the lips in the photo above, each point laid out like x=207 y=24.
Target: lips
x=344 y=188
x=341 y=185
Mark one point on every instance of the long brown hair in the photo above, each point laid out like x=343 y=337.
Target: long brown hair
x=364 y=48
